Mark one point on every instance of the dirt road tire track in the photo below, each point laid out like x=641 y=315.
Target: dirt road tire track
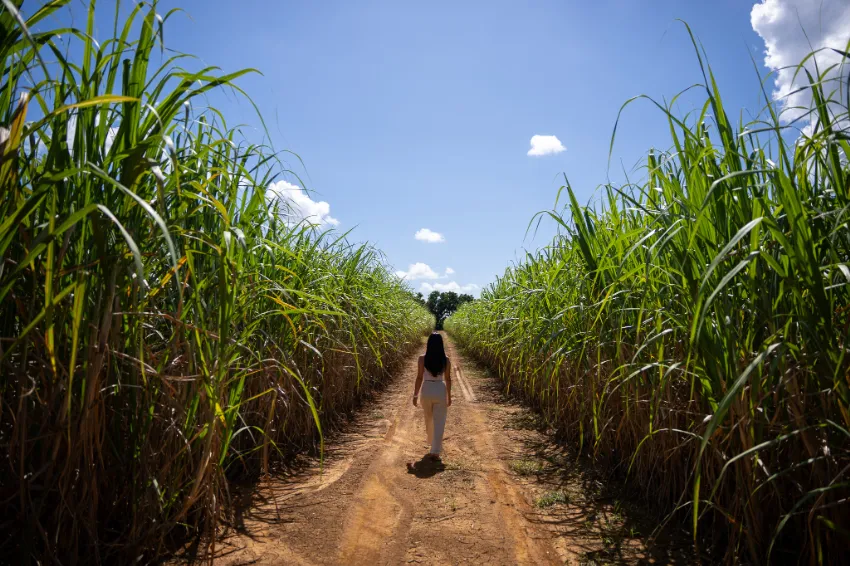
x=367 y=508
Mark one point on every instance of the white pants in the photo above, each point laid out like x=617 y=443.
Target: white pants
x=434 y=405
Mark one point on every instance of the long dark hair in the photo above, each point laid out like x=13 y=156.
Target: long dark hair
x=435 y=354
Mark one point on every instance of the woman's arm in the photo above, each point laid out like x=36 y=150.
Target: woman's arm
x=448 y=382
x=418 y=383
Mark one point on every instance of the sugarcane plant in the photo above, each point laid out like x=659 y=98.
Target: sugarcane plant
x=165 y=324
x=691 y=330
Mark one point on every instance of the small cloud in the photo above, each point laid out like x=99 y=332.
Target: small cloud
x=426 y=235
x=299 y=207
x=545 y=145
x=450 y=286
x=449 y=271
x=416 y=271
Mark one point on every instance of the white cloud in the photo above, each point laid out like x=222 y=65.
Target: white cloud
x=784 y=26
x=545 y=145
x=418 y=270
x=421 y=270
x=429 y=236
x=450 y=286
x=299 y=207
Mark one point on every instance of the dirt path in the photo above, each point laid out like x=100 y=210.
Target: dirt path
x=494 y=501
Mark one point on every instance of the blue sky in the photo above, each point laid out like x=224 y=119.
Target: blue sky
x=420 y=115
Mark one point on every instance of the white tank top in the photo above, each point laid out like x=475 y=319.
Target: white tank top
x=428 y=377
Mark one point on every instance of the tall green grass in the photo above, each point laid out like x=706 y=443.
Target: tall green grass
x=692 y=331
x=162 y=327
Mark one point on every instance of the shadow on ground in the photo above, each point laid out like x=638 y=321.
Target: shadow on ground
x=257 y=504
x=426 y=467
x=603 y=515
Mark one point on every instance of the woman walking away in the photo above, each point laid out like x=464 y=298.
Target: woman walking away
x=435 y=370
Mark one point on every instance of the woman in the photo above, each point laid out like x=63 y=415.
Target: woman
x=435 y=370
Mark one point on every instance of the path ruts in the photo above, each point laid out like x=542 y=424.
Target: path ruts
x=367 y=507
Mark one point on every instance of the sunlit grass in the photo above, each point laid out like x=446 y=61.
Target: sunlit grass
x=526 y=467
x=693 y=329
x=551 y=498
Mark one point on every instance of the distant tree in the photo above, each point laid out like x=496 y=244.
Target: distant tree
x=432 y=302
x=446 y=306
x=442 y=305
